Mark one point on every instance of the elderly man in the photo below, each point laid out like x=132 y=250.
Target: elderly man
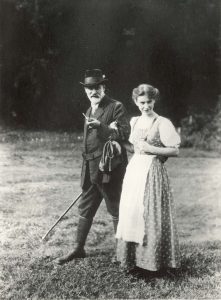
x=103 y=113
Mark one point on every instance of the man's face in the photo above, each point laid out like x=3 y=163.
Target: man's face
x=95 y=93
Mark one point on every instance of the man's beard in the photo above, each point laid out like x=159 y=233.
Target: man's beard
x=95 y=100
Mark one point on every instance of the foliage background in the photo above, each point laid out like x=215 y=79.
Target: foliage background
x=46 y=45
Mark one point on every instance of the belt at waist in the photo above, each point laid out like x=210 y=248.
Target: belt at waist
x=93 y=155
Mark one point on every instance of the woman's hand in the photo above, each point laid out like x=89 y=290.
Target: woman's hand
x=144 y=147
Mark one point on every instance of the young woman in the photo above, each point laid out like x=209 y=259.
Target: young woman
x=147 y=234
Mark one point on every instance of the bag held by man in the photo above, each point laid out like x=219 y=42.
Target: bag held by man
x=111 y=156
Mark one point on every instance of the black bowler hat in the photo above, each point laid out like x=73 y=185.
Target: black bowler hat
x=93 y=77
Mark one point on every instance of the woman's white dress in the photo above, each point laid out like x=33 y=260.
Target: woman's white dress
x=147 y=234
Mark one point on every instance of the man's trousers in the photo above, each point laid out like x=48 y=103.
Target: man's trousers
x=93 y=193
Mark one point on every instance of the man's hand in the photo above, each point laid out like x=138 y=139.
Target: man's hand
x=93 y=123
x=113 y=125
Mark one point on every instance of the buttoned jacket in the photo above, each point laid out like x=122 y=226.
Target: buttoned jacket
x=108 y=111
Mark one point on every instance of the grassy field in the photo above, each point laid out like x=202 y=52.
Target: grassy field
x=39 y=178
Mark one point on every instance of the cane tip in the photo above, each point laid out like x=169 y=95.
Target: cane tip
x=43 y=239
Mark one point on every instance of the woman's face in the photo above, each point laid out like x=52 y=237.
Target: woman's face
x=145 y=104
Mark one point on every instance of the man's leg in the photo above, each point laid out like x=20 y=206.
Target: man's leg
x=112 y=192
x=88 y=206
x=115 y=223
x=112 y=199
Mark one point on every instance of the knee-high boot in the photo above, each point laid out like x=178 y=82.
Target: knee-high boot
x=115 y=223
x=83 y=228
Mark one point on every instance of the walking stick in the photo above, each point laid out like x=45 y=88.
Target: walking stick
x=64 y=213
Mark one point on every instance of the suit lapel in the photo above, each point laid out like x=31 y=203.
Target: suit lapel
x=85 y=126
x=99 y=112
x=101 y=108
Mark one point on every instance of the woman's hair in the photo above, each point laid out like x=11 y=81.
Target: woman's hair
x=145 y=89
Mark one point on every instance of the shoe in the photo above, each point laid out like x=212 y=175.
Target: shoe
x=77 y=253
x=114 y=260
x=84 y=226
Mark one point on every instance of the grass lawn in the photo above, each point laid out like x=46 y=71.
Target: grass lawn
x=39 y=178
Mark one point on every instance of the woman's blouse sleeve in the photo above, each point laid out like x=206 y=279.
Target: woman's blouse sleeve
x=132 y=123
x=168 y=135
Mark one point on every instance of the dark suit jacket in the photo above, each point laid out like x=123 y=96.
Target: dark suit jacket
x=109 y=110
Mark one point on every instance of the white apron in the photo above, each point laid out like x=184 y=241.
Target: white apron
x=131 y=213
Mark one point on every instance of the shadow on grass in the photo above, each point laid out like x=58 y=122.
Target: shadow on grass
x=197 y=261
x=96 y=276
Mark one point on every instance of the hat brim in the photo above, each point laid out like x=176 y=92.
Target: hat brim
x=93 y=83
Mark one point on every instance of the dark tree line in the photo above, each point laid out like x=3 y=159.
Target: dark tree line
x=47 y=44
